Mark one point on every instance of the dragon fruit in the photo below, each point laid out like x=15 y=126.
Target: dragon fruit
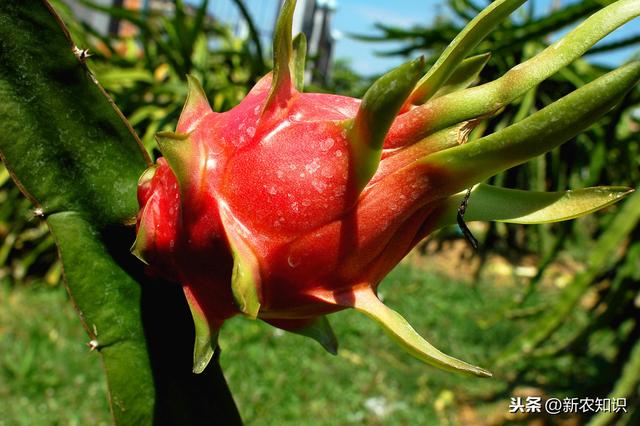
x=295 y=205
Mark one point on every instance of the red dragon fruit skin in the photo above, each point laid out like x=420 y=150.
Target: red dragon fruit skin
x=295 y=205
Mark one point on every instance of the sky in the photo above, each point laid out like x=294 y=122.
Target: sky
x=359 y=16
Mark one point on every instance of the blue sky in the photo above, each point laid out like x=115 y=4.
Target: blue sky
x=359 y=16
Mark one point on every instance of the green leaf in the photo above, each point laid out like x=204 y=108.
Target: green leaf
x=490 y=203
x=460 y=47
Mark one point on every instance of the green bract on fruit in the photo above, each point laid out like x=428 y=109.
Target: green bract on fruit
x=295 y=205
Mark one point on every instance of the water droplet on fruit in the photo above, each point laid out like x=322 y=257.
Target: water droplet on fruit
x=295 y=117
x=340 y=190
x=319 y=185
x=313 y=166
x=326 y=144
x=293 y=261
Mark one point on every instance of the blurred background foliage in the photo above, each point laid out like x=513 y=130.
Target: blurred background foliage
x=554 y=310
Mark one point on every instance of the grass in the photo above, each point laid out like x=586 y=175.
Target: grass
x=48 y=375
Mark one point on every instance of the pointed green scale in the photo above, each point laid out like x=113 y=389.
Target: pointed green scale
x=461 y=46
x=401 y=331
x=464 y=75
x=536 y=134
x=245 y=281
x=147 y=175
x=490 y=203
x=298 y=60
x=320 y=330
x=141 y=244
x=379 y=107
x=206 y=336
x=195 y=108
x=281 y=84
x=487 y=99
x=245 y=277
x=178 y=150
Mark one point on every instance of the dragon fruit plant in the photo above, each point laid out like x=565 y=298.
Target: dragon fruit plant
x=288 y=207
x=295 y=205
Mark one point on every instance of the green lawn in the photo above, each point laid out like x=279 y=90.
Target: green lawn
x=49 y=376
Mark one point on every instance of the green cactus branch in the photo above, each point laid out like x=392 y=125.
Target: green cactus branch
x=72 y=153
x=59 y=94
